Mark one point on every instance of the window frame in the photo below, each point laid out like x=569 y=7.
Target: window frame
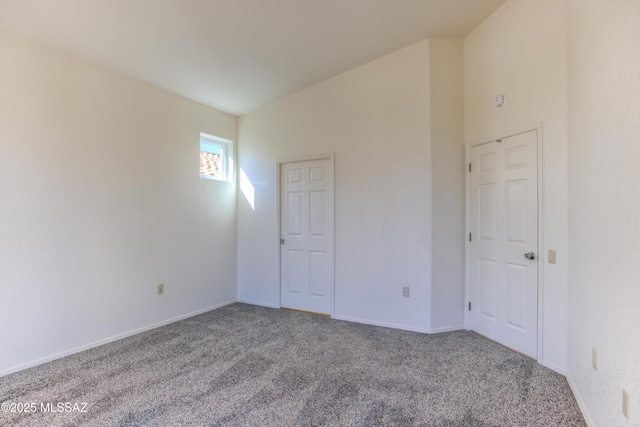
x=225 y=147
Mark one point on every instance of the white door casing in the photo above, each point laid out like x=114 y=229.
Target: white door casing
x=307 y=235
x=503 y=221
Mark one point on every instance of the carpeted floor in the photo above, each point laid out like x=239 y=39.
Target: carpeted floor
x=243 y=365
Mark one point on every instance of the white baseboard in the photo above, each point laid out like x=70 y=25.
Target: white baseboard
x=98 y=343
x=259 y=303
x=385 y=324
x=581 y=404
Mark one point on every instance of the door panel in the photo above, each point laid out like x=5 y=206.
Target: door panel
x=487 y=278
x=294 y=213
x=487 y=211
x=504 y=226
x=294 y=176
x=517 y=211
x=307 y=235
x=317 y=269
x=516 y=296
x=317 y=213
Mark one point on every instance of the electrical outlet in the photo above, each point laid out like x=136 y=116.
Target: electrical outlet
x=625 y=403
x=405 y=291
x=594 y=359
x=552 y=256
x=161 y=289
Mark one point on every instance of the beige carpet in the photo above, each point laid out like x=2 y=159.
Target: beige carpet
x=243 y=365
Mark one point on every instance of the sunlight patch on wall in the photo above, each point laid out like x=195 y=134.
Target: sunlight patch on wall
x=247 y=188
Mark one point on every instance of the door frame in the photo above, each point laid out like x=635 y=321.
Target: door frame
x=537 y=126
x=279 y=163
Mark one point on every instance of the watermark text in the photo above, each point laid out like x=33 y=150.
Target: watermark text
x=48 y=407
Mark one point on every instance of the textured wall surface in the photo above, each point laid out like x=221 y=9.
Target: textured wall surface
x=604 y=201
x=375 y=118
x=101 y=201
x=521 y=51
x=447 y=183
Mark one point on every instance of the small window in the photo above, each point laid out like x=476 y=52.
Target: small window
x=216 y=158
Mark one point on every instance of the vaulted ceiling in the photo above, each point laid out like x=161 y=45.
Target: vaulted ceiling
x=236 y=55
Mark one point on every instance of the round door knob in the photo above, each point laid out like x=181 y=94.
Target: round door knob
x=530 y=255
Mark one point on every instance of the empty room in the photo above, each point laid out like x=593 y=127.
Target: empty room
x=327 y=213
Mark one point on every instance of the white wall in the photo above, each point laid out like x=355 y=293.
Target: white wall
x=447 y=183
x=101 y=201
x=375 y=118
x=604 y=202
x=521 y=51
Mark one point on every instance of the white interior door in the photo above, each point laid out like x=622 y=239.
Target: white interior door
x=504 y=241
x=306 y=245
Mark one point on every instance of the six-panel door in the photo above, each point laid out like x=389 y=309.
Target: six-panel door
x=306 y=210
x=504 y=227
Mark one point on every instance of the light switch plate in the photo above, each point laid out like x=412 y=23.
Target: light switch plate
x=552 y=256
x=625 y=403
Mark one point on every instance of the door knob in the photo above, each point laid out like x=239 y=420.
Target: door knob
x=530 y=255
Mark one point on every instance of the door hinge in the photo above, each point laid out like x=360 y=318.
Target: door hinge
x=469 y=305
x=469 y=236
x=469 y=167
x=282 y=241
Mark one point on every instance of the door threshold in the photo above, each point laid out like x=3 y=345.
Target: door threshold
x=306 y=311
